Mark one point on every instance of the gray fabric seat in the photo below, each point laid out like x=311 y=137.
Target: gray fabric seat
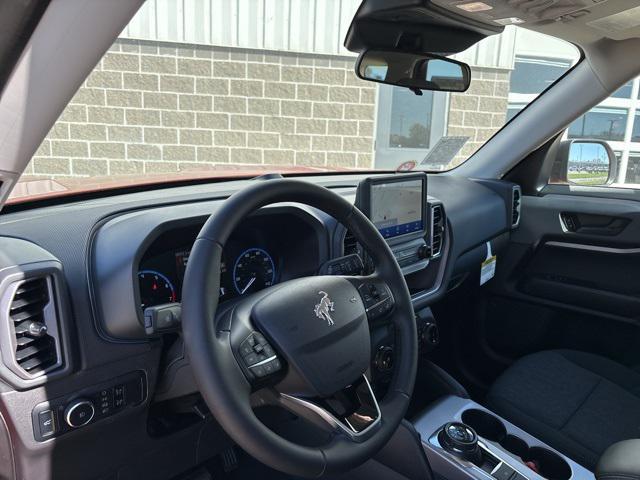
x=578 y=403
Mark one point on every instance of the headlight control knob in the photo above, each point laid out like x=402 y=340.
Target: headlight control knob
x=79 y=412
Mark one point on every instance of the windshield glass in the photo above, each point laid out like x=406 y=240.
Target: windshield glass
x=238 y=88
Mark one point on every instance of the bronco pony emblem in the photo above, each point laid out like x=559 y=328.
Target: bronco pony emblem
x=324 y=307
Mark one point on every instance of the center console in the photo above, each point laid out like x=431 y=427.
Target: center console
x=463 y=440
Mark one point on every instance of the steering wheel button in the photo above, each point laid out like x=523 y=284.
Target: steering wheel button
x=258 y=348
x=276 y=365
x=251 y=359
x=258 y=371
x=268 y=351
x=259 y=338
x=246 y=349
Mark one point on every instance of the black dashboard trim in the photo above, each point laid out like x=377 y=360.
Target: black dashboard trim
x=311 y=216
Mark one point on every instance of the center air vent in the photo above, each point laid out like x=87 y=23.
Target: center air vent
x=437 y=229
x=32 y=313
x=516 y=206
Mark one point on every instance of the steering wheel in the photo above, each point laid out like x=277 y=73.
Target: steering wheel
x=303 y=344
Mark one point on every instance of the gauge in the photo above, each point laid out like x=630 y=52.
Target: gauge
x=155 y=289
x=253 y=271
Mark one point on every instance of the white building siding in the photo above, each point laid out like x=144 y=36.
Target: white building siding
x=309 y=26
x=306 y=26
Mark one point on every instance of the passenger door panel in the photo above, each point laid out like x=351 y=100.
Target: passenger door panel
x=568 y=280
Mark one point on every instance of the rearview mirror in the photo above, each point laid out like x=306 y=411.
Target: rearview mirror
x=587 y=162
x=417 y=71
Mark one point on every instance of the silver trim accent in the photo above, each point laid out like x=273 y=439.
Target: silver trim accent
x=474 y=470
x=563 y=226
x=497 y=467
x=69 y=410
x=262 y=362
x=594 y=248
x=333 y=421
x=375 y=305
x=450 y=409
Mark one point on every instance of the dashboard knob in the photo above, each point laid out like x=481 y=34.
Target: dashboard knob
x=424 y=251
x=79 y=412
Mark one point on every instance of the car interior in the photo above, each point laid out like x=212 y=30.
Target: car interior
x=338 y=321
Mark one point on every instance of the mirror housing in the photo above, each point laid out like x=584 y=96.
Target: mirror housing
x=585 y=162
x=416 y=71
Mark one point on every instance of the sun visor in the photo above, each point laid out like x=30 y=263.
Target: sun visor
x=414 y=25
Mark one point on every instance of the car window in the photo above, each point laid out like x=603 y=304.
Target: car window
x=183 y=93
x=614 y=123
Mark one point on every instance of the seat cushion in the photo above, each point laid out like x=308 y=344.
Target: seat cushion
x=578 y=403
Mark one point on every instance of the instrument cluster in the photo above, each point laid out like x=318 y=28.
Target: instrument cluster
x=266 y=250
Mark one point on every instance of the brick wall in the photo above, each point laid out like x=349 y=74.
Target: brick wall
x=479 y=112
x=161 y=107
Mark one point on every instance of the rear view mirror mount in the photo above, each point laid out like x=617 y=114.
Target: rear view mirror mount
x=416 y=71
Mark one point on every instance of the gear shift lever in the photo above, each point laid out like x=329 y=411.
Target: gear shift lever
x=460 y=440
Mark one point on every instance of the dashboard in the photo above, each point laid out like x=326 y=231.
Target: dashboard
x=99 y=263
x=265 y=250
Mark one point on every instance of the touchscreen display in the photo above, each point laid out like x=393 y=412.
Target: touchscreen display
x=396 y=207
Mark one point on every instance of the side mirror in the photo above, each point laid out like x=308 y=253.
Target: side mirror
x=417 y=71
x=585 y=163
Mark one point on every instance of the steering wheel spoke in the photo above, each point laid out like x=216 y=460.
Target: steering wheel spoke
x=258 y=358
x=255 y=355
x=376 y=296
x=352 y=412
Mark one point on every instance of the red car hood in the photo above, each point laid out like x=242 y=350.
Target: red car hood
x=38 y=188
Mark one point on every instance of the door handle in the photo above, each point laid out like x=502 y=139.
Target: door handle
x=592 y=224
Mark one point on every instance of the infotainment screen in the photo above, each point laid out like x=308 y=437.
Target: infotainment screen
x=396 y=208
x=394 y=204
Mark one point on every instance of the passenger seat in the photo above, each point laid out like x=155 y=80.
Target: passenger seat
x=576 y=402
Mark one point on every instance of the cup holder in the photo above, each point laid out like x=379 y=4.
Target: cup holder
x=515 y=445
x=486 y=425
x=545 y=462
x=549 y=464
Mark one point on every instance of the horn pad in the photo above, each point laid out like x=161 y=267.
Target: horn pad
x=319 y=324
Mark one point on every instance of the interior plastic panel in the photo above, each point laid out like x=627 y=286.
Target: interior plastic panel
x=497 y=434
x=582 y=268
x=115 y=274
x=474 y=213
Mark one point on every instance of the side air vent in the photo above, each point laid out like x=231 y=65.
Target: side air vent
x=516 y=206
x=33 y=323
x=350 y=244
x=437 y=229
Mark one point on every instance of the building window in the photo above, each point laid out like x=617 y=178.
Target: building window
x=633 y=169
x=635 y=136
x=410 y=119
x=532 y=75
x=513 y=110
x=600 y=123
x=624 y=91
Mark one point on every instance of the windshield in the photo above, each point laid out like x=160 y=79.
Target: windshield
x=186 y=92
